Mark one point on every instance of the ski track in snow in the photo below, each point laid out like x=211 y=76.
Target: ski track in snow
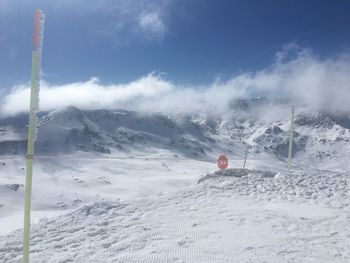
x=302 y=217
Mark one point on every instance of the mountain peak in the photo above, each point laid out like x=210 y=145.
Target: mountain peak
x=64 y=115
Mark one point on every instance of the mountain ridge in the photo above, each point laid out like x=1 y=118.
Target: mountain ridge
x=260 y=125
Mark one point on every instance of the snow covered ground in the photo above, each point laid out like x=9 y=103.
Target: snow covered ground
x=60 y=185
x=259 y=217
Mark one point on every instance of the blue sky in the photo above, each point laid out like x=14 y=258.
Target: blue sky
x=180 y=54
x=193 y=42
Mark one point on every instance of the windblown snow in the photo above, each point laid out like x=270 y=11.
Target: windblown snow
x=120 y=186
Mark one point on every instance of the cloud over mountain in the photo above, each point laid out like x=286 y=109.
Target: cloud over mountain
x=296 y=73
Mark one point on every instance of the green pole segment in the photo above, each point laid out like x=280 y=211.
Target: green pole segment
x=33 y=108
x=29 y=156
x=291 y=131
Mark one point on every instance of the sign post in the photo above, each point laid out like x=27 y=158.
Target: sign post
x=39 y=20
x=291 y=131
x=245 y=157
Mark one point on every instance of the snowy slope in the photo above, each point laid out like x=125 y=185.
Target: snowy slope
x=254 y=218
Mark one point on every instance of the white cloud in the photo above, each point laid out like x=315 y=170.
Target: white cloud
x=323 y=84
x=86 y=95
x=132 y=20
x=152 y=24
x=123 y=21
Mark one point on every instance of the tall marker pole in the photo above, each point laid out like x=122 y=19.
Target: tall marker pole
x=39 y=20
x=245 y=157
x=291 y=130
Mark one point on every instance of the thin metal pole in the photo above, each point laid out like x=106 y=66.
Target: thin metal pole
x=291 y=131
x=245 y=158
x=34 y=106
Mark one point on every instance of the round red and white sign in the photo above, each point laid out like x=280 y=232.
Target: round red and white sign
x=222 y=162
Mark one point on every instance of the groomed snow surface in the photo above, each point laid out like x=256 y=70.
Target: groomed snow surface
x=230 y=216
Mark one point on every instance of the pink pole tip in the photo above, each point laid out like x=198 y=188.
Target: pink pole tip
x=37 y=16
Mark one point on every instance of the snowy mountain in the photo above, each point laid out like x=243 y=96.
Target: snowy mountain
x=72 y=130
x=259 y=124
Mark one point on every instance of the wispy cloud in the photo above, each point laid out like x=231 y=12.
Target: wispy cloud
x=132 y=20
x=322 y=84
x=122 y=21
x=152 y=24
